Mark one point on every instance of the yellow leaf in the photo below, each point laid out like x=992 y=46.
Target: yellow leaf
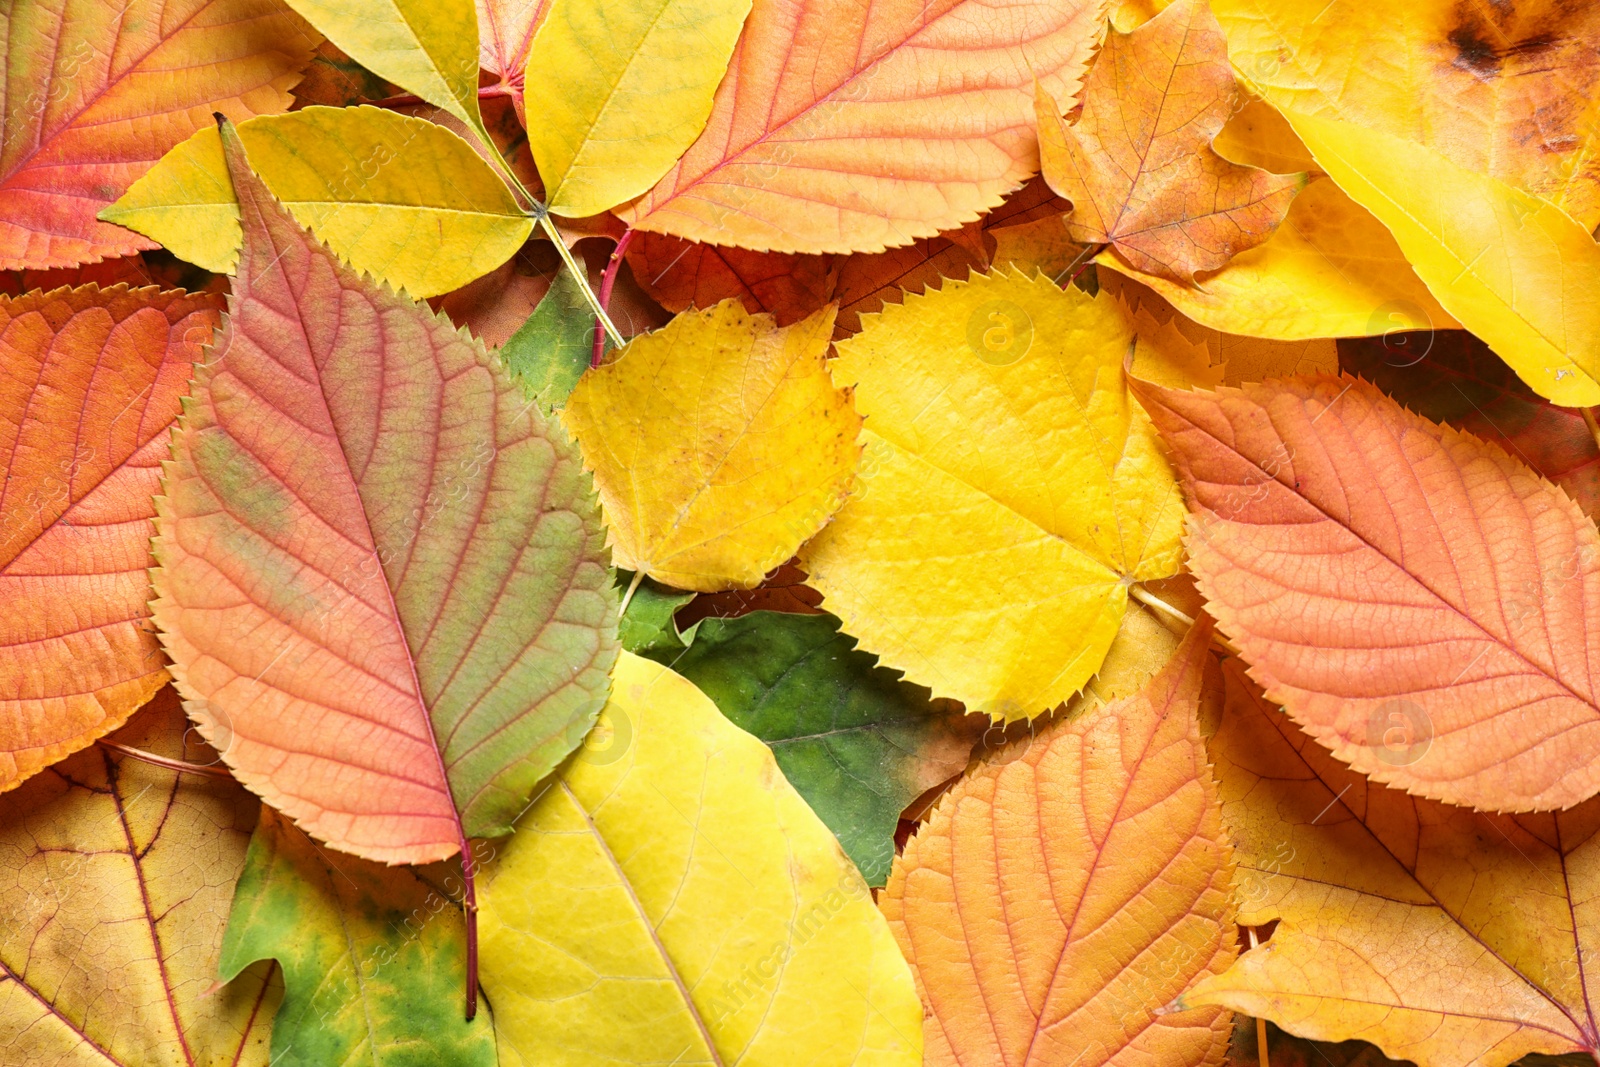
x=1499 y=88
x=1010 y=492
x=1167 y=338
x=1514 y=269
x=1330 y=270
x=1258 y=135
x=428 y=47
x=671 y=899
x=401 y=198
x=620 y=89
x=718 y=444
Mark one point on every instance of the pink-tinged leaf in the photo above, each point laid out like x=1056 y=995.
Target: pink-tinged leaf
x=505 y=33
x=382 y=576
x=96 y=92
x=1425 y=605
x=90 y=381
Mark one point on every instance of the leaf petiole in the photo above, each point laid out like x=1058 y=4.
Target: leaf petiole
x=578 y=274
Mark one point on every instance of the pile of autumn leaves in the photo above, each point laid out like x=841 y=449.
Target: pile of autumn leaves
x=975 y=778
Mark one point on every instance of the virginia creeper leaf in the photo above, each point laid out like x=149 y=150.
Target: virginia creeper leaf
x=1138 y=165
x=854 y=740
x=1056 y=899
x=680 y=274
x=381 y=579
x=1444 y=936
x=853 y=125
x=373 y=957
x=1331 y=270
x=90 y=380
x=1514 y=269
x=1451 y=376
x=670 y=896
x=718 y=445
x=551 y=350
x=96 y=93
x=996 y=575
x=115 y=885
x=401 y=198
x=1510 y=91
x=1380 y=572
x=620 y=89
x=428 y=47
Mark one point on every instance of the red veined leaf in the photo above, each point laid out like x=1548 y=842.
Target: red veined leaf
x=382 y=579
x=96 y=93
x=1426 y=606
x=90 y=381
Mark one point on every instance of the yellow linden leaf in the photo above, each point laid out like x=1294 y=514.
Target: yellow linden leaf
x=718 y=444
x=428 y=47
x=1329 y=270
x=671 y=899
x=401 y=198
x=1514 y=269
x=1167 y=338
x=1011 y=491
x=620 y=89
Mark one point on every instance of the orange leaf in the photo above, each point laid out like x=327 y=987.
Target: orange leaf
x=1054 y=902
x=856 y=125
x=91 y=382
x=681 y=274
x=382 y=579
x=1138 y=166
x=103 y=90
x=1445 y=936
x=1417 y=599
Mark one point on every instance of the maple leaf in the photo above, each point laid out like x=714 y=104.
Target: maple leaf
x=94 y=102
x=1138 y=166
x=1416 y=598
x=857 y=125
x=1515 y=270
x=1508 y=91
x=401 y=198
x=857 y=743
x=1442 y=935
x=1055 y=900
x=115 y=890
x=719 y=922
x=996 y=575
x=718 y=445
x=1330 y=270
x=356 y=499
x=1451 y=376
x=372 y=956
x=634 y=89
x=91 y=384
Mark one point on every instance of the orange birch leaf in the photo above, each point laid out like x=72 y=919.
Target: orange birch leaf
x=115 y=887
x=382 y=581
x=90 y=381
x=1445 y=936
x=1138 y=165
x=1417 y=599
x=1054 y=902
x=99 y=92
x=857 y=125
x=681 y=274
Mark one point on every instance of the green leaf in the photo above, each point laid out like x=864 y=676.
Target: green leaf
x=373 y=958
x=549 y=352
x=853 y=739
x=646 y=626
